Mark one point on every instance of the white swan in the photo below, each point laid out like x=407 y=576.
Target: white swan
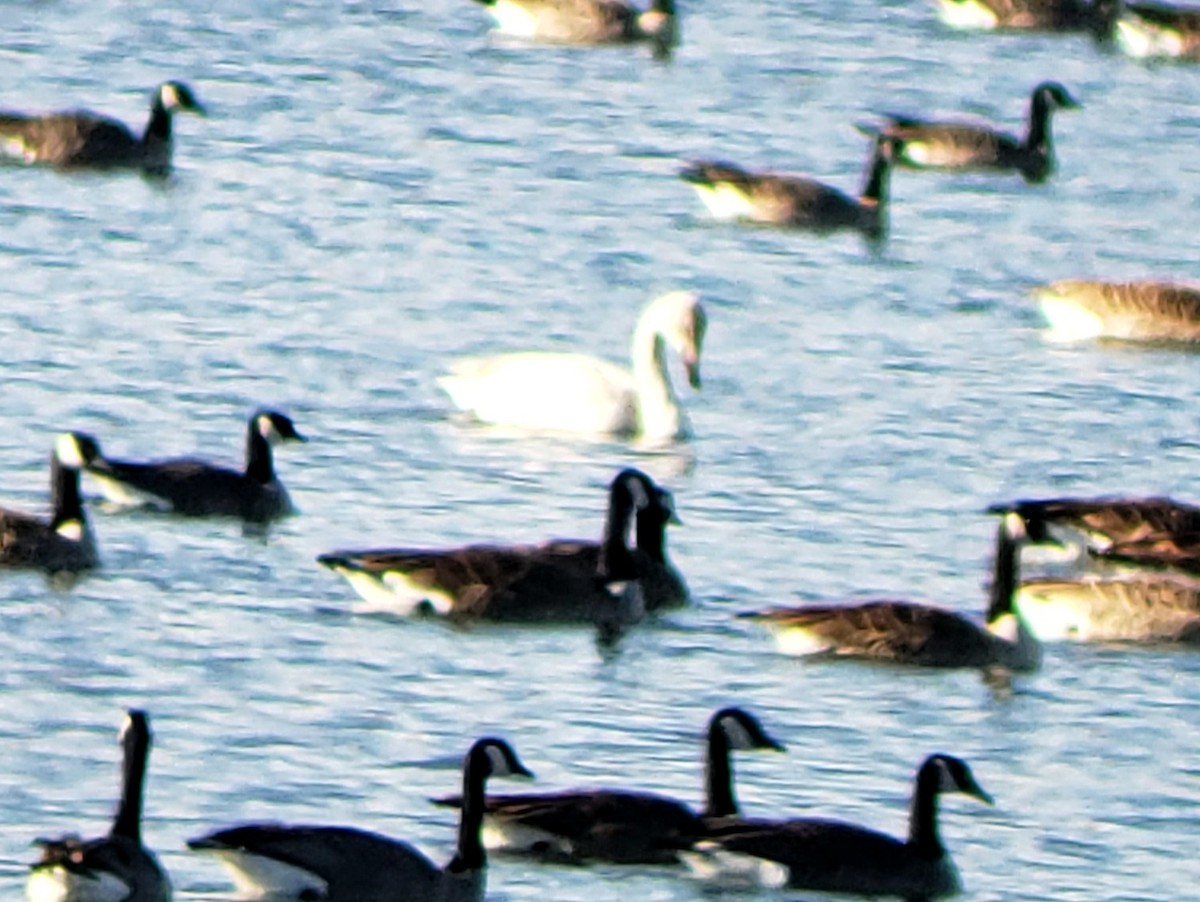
x=565 y=392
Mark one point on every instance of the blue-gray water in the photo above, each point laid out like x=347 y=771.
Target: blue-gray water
x=380 y=189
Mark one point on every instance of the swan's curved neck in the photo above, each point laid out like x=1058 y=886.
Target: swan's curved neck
x=721 y=802
x=260 y=465
x=128 y=822
x=923 y=834
x=470 y=855
x=657 y=402
x=65 y=502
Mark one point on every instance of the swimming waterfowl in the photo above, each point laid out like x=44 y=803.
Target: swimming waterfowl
x=1080 y=309
x=85 y=140
x=732 y=193
x=926 y=144
x=903 y=632
x=833 y=856
x=345 y=864
x=587 y=21
x=195 y=488
x=1112 y=527
x=1018 y=15
x=618 y=825
x=64 y=543
x=1141 y=607
x=112 y=867
x=553 y=582
x=1152 y=30
x=566 y=392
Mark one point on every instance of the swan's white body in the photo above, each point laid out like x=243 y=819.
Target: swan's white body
x=564 y=392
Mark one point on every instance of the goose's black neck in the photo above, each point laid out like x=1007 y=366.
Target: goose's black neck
x=652 y=533
x=159 y=126
x=923 y=834
x=617 y=561
x=876 y=187
x=65 y=501
x=1006 y=574
x=470 y=855
x=136 y=739
x=666 y=7
x=721 y=802
x=1038 y=140
x=260 y=465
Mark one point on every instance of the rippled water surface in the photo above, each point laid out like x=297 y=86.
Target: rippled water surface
x=379 y=189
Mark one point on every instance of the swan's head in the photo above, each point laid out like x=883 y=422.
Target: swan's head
x=681 y=321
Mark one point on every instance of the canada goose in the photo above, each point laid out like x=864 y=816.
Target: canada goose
x=1017 y=15
x=617 y=825
x=902 y=632
x=1143 y=607
x=1145 y=531
x=344 y=864
x=112 y=867
x=795 y=201
x=1151 y=30
x=579 y=393
x=833 y=856
x=924 y=144
x=1078 y=309
x=195 y=488
x=86 y=140
x=587 y=21
x=553 y=582
x=65 y=543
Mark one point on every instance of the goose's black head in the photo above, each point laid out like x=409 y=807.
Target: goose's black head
x=743 y=731
x=953 y=775
x=276 y=427
x=496 y=758
x=1052 y=95
x=76 y=450
x=176 y=97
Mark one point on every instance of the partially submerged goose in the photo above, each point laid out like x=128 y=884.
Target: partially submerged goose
x=1018 y=15
x=112 y=867
x=1143 y=607
x=566 y=392
x=85 y=140
x=834 y=856
x=617 y=825
x=196 y=488
x=64 y=543
x=1147 y=531
x=558 y=581
x=1152 y=30
x=732 y=193
x=345 y=864
x=926 y=144
x=903 y=632
x=1079 y=309
x=587 y=21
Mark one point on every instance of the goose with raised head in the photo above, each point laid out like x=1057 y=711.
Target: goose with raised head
x=345 y=864
x=1152 y=31
x=553 y=582
x=196 y=488
x=791 y=201
x=86 y=140
x=1140 y=607
x=113 y=867
x=1018 y=15
x=64 y=543
x=904 y=632
x=1081 y=309
x=620 y=825
x=567 y=392
x=834 y=856
x=966 y=146
x=587 y=22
